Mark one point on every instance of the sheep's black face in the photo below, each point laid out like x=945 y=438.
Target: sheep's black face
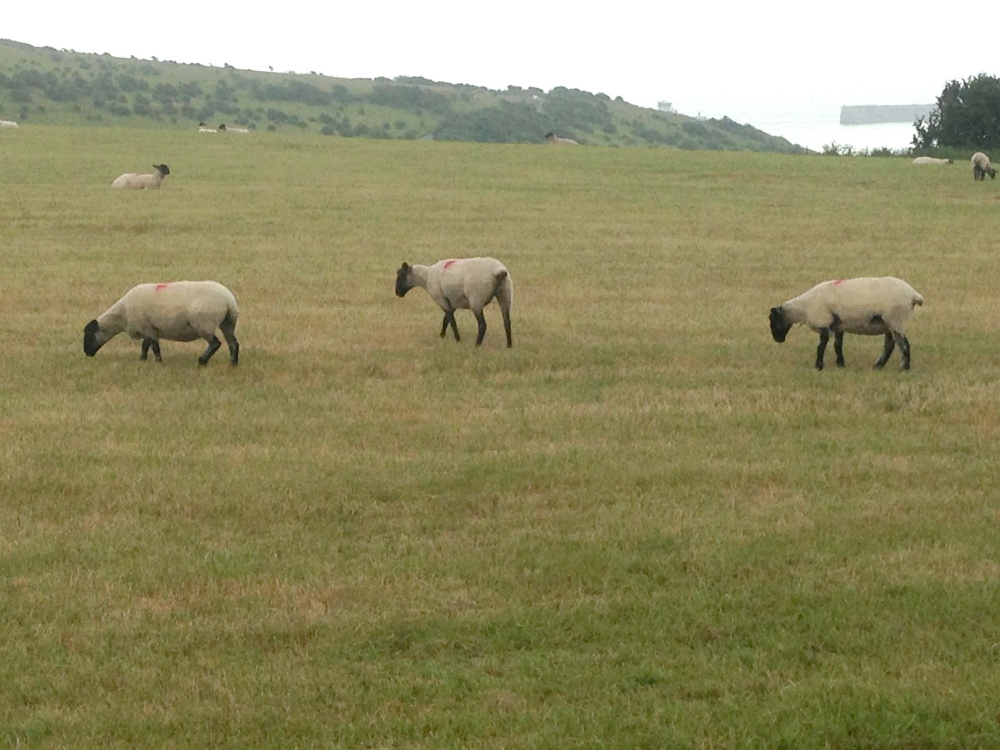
x=162 y=168
x=779 y=326
x=90 y=345
x=403 y=280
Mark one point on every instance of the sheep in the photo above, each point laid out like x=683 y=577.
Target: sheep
x=463 y=283
x=865 y=306
x=148 y=181
x=203 y=128
x=224 y=129
x=175 y=311
x=931 y=160
x=981 y=167
x=557 y=141
x=8 y=124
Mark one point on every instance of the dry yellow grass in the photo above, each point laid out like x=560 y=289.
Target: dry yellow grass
x=646 y=525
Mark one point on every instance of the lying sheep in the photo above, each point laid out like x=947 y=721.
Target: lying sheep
x=555 y=140
x=203 y=128
x=465 y=283
x=866 y=306
x=151 y=181
x=981 y=167
x=931 y=160
x=175 y=311
x=224 y=129
x=8 y=124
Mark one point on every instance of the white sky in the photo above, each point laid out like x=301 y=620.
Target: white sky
x=710 y=58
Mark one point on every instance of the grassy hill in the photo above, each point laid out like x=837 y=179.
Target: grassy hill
x=42 y=85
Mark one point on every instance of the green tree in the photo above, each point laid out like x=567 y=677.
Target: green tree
x=967 y=116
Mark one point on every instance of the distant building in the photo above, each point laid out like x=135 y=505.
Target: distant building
x=666 y=106
x=870 y=114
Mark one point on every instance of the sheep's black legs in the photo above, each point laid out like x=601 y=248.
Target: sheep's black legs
x=481 y=319
x=838 y=347
x=147 y=344
x=824 y=337
x=213 y=346
x=449 y=317
x=904 y=350
x=234 y=344
x=887 y=352
x=506 y=327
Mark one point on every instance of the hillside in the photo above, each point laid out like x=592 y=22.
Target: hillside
x=61 y=87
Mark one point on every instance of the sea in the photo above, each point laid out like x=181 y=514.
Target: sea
x=820 y=135
x=817 y=126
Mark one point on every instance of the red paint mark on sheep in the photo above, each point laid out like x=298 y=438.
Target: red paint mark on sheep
x=838 y=281
x=449 y=263
x=161 y=286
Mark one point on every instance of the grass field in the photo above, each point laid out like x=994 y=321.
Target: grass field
x=647 y=525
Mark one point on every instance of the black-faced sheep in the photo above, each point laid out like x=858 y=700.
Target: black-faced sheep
x=865 y=306
x=146 y=181
x=203 y=128
x=224 y=129
x=462 y=284
x=175 y=311
x=981 y=167
x=555 y=140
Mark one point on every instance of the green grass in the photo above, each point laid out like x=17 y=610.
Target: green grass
x=645 y=526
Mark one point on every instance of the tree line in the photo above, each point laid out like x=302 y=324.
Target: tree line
x=966 y=116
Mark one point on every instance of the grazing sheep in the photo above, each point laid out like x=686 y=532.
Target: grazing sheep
x=175 y=311
x=866 y=306
x=931 y=160
x=203 y=128
x=555 y=140
x=150 y=181
x=465 y=283
x=981 y=167
x=8 y=124
x=224 y=129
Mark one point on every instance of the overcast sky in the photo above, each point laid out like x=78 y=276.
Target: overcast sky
x=711 y=58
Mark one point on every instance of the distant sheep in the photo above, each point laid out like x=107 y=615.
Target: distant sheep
x=931 y=160
x=203 y=128
x=981 y=167
x=8 y=124
x=557 y=141
x=175 y=311
x=466 y=284
x=146 y=181
x=865 y=306
x=224 y=129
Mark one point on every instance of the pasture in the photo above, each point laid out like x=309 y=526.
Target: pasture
x=647 y=525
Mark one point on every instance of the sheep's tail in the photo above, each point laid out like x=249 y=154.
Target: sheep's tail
x=232 y=313
x=503 y=288
x=917 y=299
